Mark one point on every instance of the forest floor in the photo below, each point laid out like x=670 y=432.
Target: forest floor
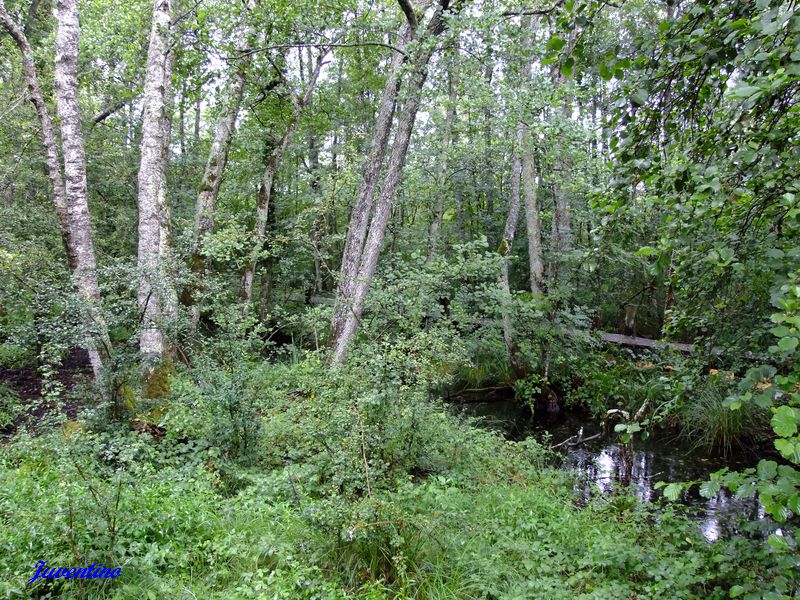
x=27 y=384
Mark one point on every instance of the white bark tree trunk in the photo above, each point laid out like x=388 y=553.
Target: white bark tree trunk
x=265 y=188
x=85 y=273
x=71 y=201
x=48 y=133
x=532 y=220
x=506 y=244
x=377 y=229
x=154 y=289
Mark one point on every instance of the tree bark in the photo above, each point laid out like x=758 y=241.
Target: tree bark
x=359 y=217
x=215 y=165
x=509 y=231
x=71 y=202
x=85 y=273
x=561 y=231
x=377 y=229
x=48 y=133
x=265 y=188
x=532 y=220
x=154 y=293
x=447 y=140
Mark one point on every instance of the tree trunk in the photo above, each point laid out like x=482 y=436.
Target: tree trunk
x=561 y=231
x=509 y=231
x=48 y=134
x=85 y=273
x=71 y=202
x=532 y=220
x=447 y=140
x=154 y=290
x=377 y=230
x=264 y=193
x=359 y=217
x=215 y=166
x=488 y=176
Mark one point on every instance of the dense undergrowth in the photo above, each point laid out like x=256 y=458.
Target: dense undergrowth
x=293 y=481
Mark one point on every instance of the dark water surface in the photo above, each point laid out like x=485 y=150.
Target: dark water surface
x=598 y=466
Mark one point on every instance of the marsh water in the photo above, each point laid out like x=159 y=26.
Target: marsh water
x=599 y=469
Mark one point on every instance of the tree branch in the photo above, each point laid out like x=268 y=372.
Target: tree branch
x=408 y=11
x=110 y=110
x=313 y=45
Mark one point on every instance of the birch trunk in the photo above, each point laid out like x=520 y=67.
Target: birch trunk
x=215 y=166
x=532 y=220
x=447 y=140
x=263 y=200
x=561 y=231
x=359 y=217
x=84 y=275
x=528 y=174
x=71 y=201
x=377 y=229
x=48 y=133
x=153 y=288
x=509 y=232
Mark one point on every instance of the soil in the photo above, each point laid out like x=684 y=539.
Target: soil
x=26 y=382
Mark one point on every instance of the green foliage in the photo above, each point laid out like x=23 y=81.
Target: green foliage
x=620 y=381
x=707 y=420
x=9 y=406
x=353 y=490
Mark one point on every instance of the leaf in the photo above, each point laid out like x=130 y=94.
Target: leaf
x=555 y=43
x=566 y=67
x=673 y=491
x=640 y=96
x=736 y=591
x=780 y=331
x=778 y=542
x=744 y=91
x=788 y=344
x=784 y=421
x=709 y=489
x=767 y=469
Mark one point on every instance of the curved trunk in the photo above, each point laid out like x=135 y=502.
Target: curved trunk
x=265 y=188
x=215 y=168
x=48 y=133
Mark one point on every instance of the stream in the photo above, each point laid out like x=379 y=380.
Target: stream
x=598 y=466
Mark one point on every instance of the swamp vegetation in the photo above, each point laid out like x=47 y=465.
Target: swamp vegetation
x=492 y=299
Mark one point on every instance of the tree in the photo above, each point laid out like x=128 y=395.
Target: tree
x=85 y=270
x=156 y=293
x=359 y=281
x=218 y=155
x=299 y=103
x=71 y=201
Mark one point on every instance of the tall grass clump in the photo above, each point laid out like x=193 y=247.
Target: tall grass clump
x=707 y=420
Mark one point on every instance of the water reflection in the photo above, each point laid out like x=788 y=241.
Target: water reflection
x=599 y=466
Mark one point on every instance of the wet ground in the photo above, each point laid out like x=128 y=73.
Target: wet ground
x=598 y=466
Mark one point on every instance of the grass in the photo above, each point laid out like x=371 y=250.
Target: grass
x=708 y=422
x=397 y=500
